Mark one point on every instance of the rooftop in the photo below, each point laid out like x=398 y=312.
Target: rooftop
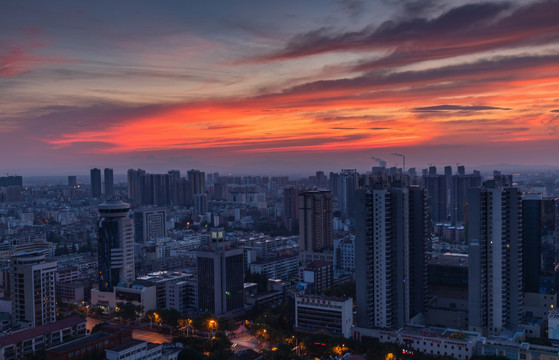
x=318 y=264
x=78 y=343
x=41 y=330
x=441 y=333
x=449 y=259
x=127 y=345
x=322 y=297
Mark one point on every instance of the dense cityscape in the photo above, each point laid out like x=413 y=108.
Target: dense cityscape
x=279 y=180
x=390 y=263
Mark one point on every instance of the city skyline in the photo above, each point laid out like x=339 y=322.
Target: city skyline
x=277 y=87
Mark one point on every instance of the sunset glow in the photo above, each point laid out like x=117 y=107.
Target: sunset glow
x=313 y=85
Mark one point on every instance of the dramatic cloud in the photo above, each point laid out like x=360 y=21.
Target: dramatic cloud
x=188 y=82
x=467 y=29
x=456 y=108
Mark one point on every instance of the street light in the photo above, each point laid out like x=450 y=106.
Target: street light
x=212 y=325
x=296 y=345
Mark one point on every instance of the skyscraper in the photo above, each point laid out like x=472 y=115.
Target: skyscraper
x=540 y=223
x=461 y=183
x=109 y=182
x=197 y=181
x=95 y=181
x=72 y=181
x=220 y=276
x=115 y=245
x=437 y=189
x=349 y=183
x=135 y=184
x=316 y=230
x=495 y=258
x=33 y=288
x=390 y=230
x=290 y=208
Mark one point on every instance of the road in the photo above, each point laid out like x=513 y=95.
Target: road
x=244 y=341
x=144 y=335
x=150 y=336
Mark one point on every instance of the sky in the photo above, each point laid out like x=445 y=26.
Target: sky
x=270 y=87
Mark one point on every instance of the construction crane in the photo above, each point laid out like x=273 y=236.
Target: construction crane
x=403 y=160
x=381 y=162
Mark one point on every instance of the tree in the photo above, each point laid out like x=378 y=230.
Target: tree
x=283 y=351
x=189 y=353
x=185 y=324
x=346 y=289
x=128 y=311
x=169 y=317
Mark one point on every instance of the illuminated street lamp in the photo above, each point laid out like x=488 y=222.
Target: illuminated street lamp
x=212 y=325
x=296 y=346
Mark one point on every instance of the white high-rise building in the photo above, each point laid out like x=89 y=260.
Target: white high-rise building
x=33 y=288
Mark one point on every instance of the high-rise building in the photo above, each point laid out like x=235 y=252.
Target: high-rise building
x=495 y=259
x=149 y=223
x=437 y=190
x=197 y=180
x=115 y=246
x=109 y=182
x=461 y=183
x=390 y=238
x=220 y=276
x=200 y=204
x=33 y=288
x=72 y=181
x=540 y=218
x=316 y=230
x=95 y=181
x=11 y=180
x=291 y=208
x=349 y=183
x=540 y=224
x=135 y=184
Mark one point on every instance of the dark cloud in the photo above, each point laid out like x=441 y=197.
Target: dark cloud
x=462 y=30
x=498 y=70
x=555 y=111
x=457 y=108
x=55 y=120
x=392 y=33
x=345 y=118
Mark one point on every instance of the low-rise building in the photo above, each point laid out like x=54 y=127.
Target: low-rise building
x=25 y=342
x=283 y=267
x=134 y=350
x=313 y=313
x=458 y=344
x=137 y=294
x=91 y=346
